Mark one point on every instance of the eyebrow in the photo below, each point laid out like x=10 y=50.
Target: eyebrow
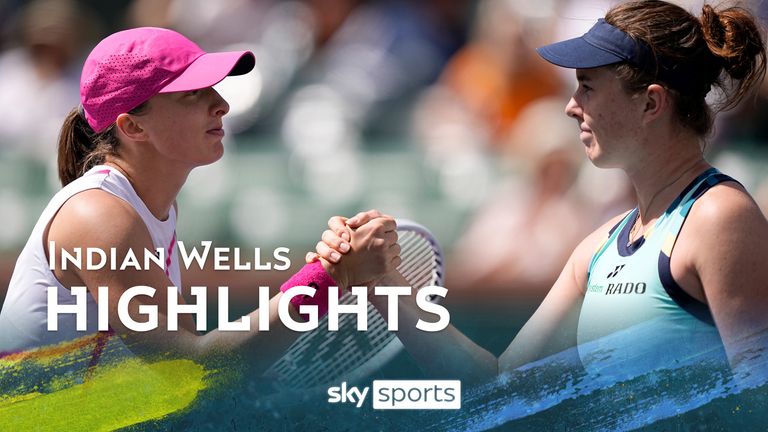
x=582 y=77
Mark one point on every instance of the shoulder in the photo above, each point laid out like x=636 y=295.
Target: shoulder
x=727 y=218
x=724 y=211
x=597 y=238
x=95 y=218
x=727 y=239
x=728 y=242
x=722 y=244
x=584 y=252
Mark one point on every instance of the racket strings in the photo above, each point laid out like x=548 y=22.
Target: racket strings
x=322 y=356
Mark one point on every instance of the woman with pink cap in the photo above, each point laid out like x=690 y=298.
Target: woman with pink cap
x=684 y=272
x=148 y=116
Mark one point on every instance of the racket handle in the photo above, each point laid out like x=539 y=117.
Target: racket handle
x=311 y=275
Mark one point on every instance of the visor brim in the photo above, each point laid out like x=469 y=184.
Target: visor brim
x=577 y=53
x=209 y=69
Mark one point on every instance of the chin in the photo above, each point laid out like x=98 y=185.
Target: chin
x=596 y=157
x=602 y=161
x=216 y=154
x=218 y=151
x=594 y=153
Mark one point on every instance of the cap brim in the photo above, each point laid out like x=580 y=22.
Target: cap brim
x=208 y=69
x=577 y=54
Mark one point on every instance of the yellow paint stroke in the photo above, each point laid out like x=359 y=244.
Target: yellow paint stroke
x=53 y=352
x=119 y=395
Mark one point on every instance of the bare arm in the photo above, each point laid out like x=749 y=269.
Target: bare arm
x=730 y=258
x=551 y=329
x=445 y=354
x=81 y=223
x=449 y=353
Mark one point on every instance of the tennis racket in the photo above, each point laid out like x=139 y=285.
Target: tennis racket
x=320 y=356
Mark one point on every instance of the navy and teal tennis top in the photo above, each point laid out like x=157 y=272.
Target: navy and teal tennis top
x=633 y=307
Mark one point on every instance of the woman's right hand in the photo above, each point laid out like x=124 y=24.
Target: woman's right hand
x=369 y=242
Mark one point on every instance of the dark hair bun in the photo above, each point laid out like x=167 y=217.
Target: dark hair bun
x=732 y=36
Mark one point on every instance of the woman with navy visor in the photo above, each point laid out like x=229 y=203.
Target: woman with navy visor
x=686 y=271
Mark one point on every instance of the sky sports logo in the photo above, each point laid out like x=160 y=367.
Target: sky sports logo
x=401 y=394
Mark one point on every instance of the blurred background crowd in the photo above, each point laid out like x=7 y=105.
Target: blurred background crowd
x=434 y=110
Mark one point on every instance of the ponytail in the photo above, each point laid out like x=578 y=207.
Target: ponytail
x=721 y=49
x=733 y=36
x=80 y=148
x=75 y=145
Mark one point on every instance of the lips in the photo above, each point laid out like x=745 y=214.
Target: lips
x=218 y=131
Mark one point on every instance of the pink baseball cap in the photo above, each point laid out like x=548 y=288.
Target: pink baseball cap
x=127 y=68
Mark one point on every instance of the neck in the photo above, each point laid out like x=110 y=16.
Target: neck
x=157 y=185
x=658 y=182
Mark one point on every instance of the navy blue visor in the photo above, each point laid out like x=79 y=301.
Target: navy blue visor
x=605 y=45
x=602 y=45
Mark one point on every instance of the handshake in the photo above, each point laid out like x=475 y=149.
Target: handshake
x=364 y=252
x=368 y=242
x=359 y=250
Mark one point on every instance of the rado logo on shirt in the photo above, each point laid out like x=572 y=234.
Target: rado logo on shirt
x=626 y=288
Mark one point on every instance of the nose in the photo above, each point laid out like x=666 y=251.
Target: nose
x=572 y=109
x=220 y=106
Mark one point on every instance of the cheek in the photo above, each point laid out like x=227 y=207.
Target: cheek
x=608 y=122
x=173 y=143
x=165 y=130
x=170 y=140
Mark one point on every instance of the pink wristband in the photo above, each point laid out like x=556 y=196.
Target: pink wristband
x=312 y=275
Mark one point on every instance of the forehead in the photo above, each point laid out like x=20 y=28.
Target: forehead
x=165 y=100
x=602 y=73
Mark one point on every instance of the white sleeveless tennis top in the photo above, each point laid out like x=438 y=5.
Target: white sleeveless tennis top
x=24 y=316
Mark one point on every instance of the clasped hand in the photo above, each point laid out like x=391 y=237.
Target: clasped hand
x=368 y=242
